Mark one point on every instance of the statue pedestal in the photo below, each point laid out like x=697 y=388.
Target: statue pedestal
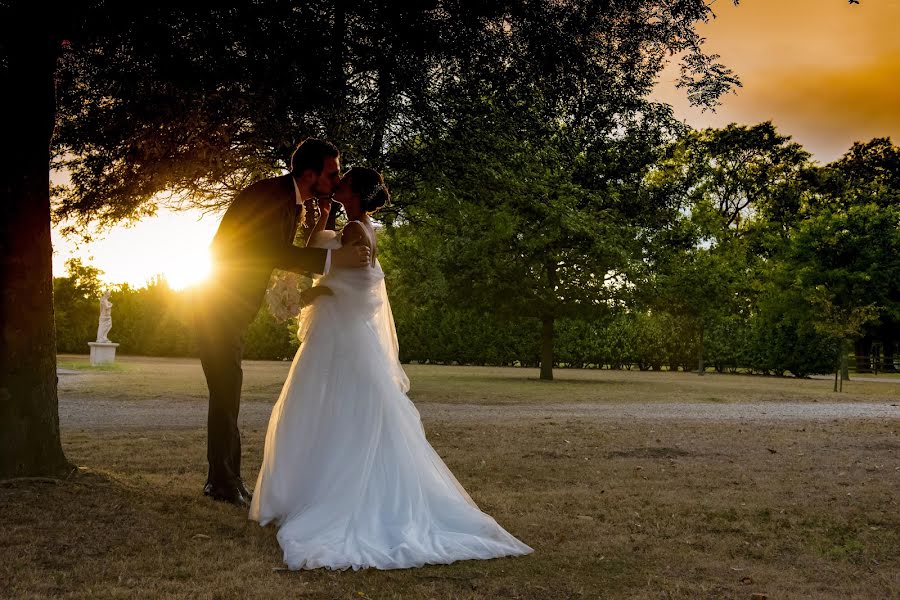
x=103 y=353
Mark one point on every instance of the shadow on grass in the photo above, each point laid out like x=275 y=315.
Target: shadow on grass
x=649 y=453
x=109 y=535
x=96 y=531
x=566 y=381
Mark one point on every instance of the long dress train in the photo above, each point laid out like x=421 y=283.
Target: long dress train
x=347 y=474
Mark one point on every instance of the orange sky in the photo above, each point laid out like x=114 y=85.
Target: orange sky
x=825 y=72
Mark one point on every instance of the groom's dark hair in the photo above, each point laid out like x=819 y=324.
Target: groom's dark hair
x=311 y=154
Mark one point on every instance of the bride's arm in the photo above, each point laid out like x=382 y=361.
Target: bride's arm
x=324 y=210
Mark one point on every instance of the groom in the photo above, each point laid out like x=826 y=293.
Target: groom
x=256 y=236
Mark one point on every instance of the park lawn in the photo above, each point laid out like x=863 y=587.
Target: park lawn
x=614 y=508
x=139 y=377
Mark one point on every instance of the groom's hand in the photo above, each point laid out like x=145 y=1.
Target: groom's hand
x=309 y=296
x=324 y=206
x=351 y=256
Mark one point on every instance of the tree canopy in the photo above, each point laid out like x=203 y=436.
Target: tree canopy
x=201 y=101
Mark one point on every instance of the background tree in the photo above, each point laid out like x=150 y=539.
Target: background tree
x=740 y=188
x=535 y=186
x=29 y=417
x=843 y=257
x=869 y=175
x=505 y=216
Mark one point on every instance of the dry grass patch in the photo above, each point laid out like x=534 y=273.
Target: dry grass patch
x=613 y=510
x=138 y=378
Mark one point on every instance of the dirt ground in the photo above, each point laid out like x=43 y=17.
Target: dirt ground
x=626 y=484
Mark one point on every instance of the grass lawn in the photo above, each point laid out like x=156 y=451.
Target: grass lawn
x=182 y=379
x=614 y=507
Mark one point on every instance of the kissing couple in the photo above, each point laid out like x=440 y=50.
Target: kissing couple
x=347 y=473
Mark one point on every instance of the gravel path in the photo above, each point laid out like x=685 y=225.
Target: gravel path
x=871 y=379
x=89 y=413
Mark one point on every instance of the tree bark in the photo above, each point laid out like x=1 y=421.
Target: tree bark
x=547 y=347
x=845 y=371
x=845 y=367
x=29 y=417
x=701 y=367
x=839 y=362
x=547 y=321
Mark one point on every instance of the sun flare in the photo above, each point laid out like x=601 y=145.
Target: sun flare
x=172 y=245
x=189 y=270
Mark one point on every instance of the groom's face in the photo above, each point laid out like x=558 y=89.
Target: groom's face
x=328 y=178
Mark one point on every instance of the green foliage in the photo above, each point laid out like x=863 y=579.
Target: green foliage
x=739 y=179
x=76 y=306
x=778 y=343
x=202 y=100
x=843 y=254
x=539 y=110
x=468 y=276
x=154 y=320
x=268 y=339
x=527 y=219
x=437 y=334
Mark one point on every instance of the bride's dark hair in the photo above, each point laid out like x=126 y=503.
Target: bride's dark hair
x=369 y=184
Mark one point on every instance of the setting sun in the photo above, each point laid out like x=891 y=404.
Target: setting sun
x=187 y=270
x=172 y=244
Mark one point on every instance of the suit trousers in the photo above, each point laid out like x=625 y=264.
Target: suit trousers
x=221 y=349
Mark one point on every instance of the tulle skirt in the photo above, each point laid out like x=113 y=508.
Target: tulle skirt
x=348 y=475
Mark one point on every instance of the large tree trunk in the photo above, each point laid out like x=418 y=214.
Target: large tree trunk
x=701 y=351
x=29 y=418
x=845 y=367
x=547 y=321
x=547 y=347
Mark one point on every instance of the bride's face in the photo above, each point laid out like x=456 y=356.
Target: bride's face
x=344 y=194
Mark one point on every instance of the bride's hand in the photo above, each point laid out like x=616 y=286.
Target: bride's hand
x=351 y=256
x=309 y=296
x=324 y=207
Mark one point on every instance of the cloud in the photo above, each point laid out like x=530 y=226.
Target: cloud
x=825 y=73
x=832 y=108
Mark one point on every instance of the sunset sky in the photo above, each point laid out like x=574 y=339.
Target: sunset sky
x=825 y=72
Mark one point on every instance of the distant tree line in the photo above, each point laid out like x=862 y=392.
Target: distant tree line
x=725 y=248
x=154 y=320
x=722 y=249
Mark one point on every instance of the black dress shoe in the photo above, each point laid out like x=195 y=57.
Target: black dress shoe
x=244 y=491
x=240 y=500
x=230 y=495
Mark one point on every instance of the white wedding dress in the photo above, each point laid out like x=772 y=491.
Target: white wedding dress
x=347 y=474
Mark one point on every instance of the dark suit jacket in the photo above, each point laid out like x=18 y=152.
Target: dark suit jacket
x=255 y=236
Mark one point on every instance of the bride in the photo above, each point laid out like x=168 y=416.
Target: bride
x=347 y=474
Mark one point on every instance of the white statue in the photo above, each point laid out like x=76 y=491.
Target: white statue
x=105 y=319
